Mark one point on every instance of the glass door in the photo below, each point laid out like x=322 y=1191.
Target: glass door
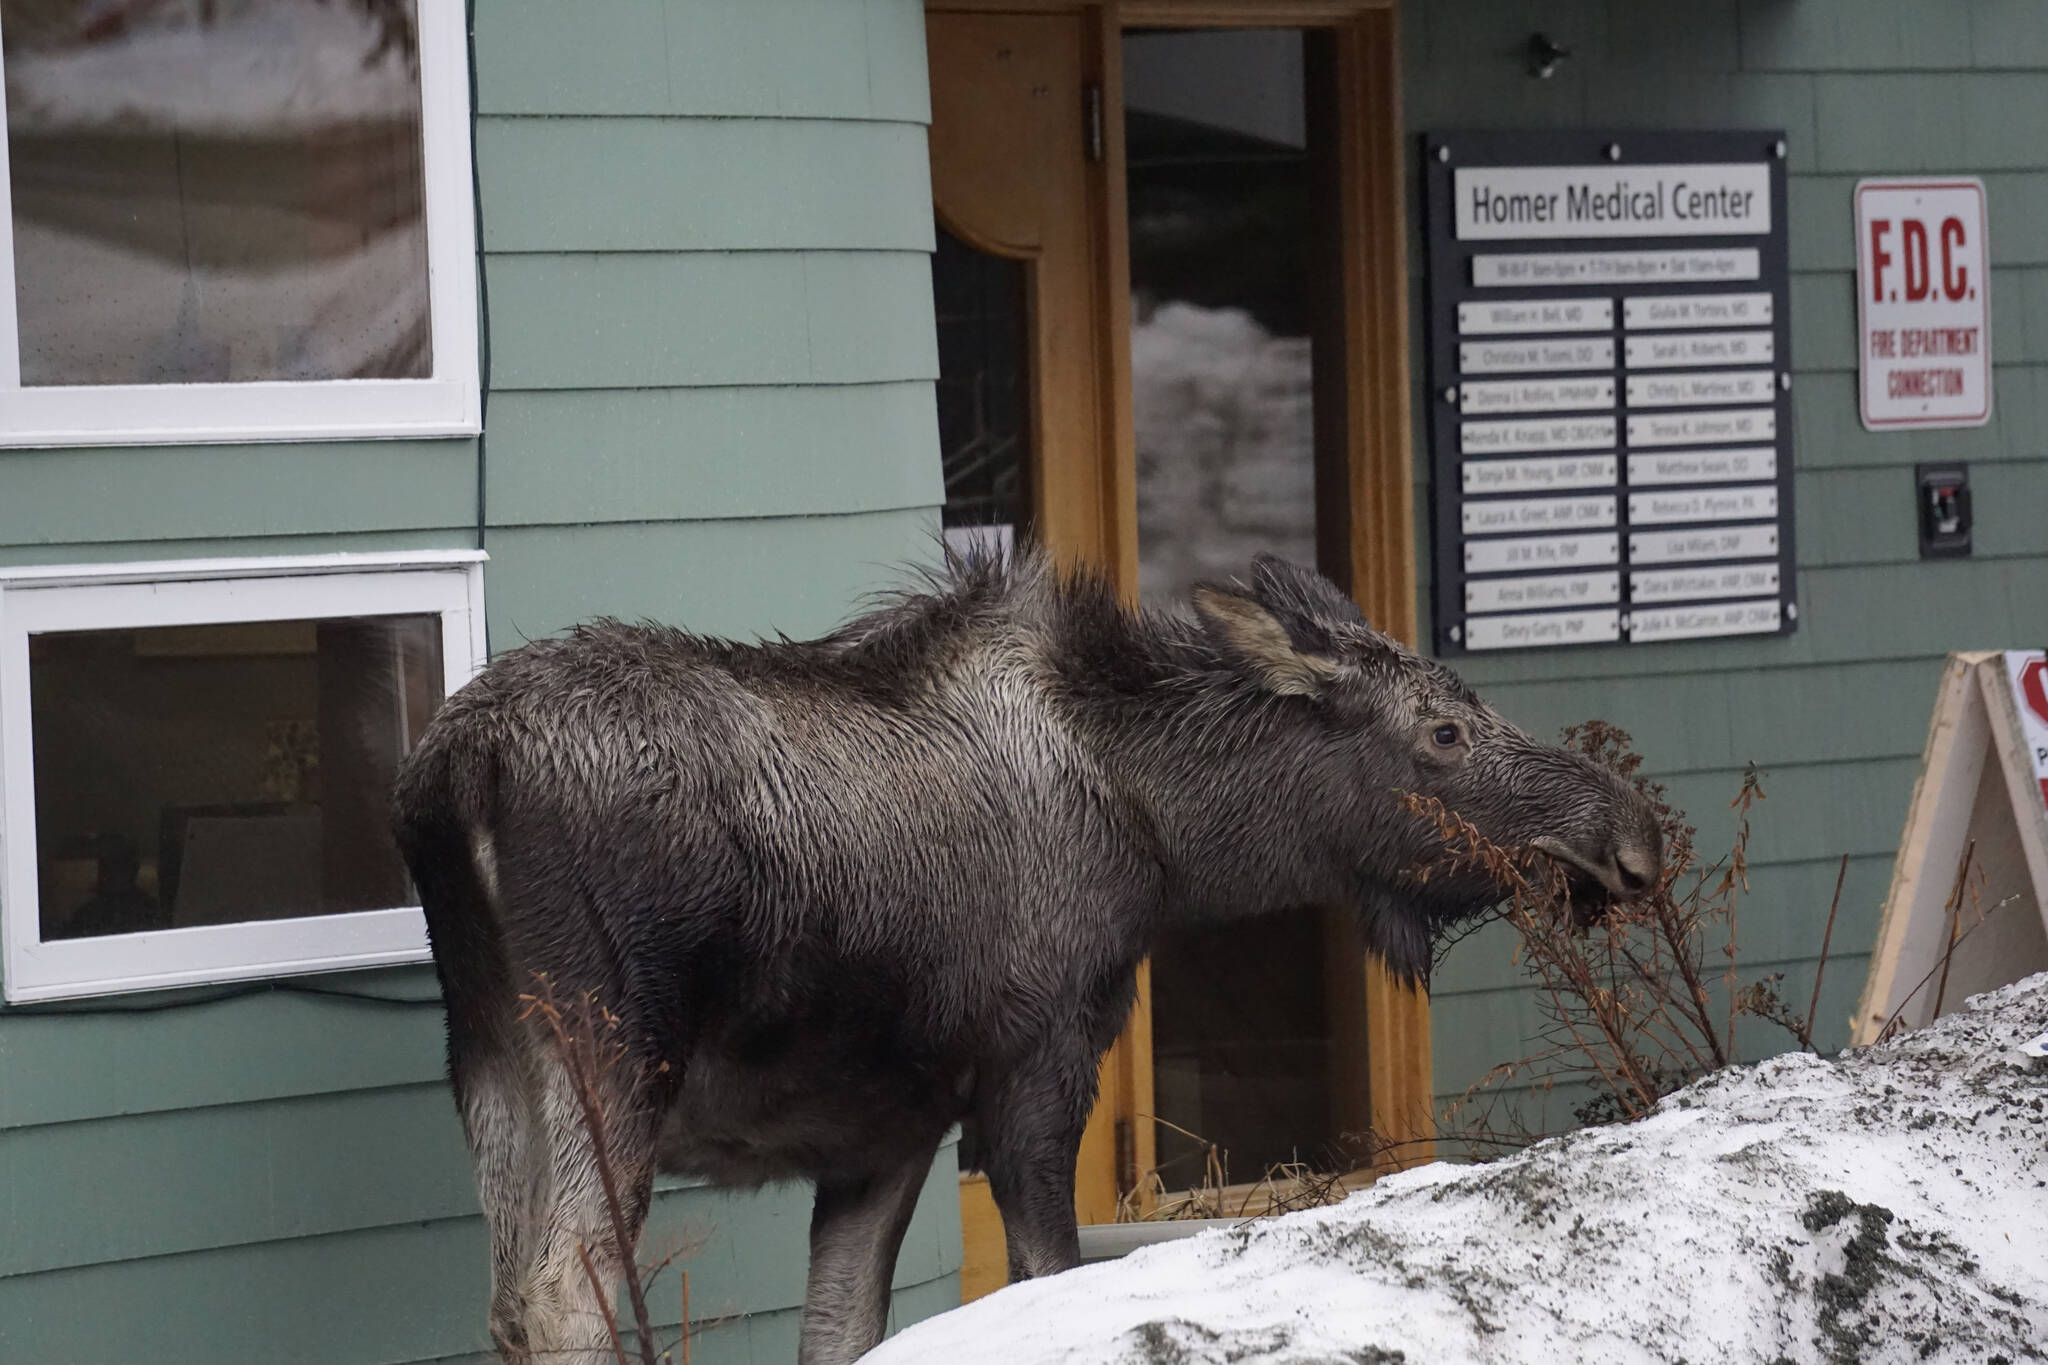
x=1256 y=1041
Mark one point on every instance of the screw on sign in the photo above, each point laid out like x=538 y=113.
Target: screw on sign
x=1923 y=303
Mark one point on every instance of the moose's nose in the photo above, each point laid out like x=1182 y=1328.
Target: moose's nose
x=1635 y=864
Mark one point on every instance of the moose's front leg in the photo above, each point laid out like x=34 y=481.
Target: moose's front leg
x=1031 y=1136
x=857 y=1227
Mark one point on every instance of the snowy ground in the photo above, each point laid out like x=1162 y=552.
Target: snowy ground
x=1886 y=1205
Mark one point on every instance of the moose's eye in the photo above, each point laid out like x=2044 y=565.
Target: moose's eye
x=1446 y=736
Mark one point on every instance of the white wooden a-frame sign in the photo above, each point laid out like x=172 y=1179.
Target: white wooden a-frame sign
x=1983 y=777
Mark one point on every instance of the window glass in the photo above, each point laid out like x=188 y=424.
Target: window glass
x=1250 y=1056
x=984 y=391
x=1219 y=186
x=208 y=191
x=216 y=774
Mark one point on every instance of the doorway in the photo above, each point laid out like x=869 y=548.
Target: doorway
x=1172 y=331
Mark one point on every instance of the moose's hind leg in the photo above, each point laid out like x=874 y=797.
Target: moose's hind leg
x=565 y=1323
x=502 y=1121
x=857 y=1228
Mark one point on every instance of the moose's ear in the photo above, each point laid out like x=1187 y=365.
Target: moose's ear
x=1286 y=587
x=1248 y=632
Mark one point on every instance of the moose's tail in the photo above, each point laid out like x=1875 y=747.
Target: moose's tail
x=442 y=817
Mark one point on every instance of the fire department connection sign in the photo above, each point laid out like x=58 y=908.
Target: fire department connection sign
x=1609 y=410
x=1923 y=303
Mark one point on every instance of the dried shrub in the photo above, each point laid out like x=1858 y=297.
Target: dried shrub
x=1285 y=1187
x=1628 y=997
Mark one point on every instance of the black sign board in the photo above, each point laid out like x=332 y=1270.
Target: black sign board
x=1610 y=408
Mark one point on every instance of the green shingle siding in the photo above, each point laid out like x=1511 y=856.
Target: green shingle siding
x=1836 y=714
x=385 y=1293
x=706 y=229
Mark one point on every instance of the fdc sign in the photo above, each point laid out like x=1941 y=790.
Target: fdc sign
x=1923 y=301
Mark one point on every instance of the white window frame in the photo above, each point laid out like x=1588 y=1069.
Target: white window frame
x=205 y=592
x=445 y=404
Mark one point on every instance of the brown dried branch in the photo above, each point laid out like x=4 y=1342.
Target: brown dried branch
x=1896 y=1020
x=584 y=1036
x=1827 y=937
x=1627 y=1007
x=1955 y=921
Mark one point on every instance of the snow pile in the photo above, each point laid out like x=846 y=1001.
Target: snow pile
x=1887 y=1205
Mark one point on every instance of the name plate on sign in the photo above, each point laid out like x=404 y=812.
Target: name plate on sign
x=1759 y=617
x=1615 y=267
x=1718 y=580
x=1537 y=514
x=1702 y=466
x=1496 y=316
x=1696 y=310
x=1542 y=590
x=1576 y=433
x=1546 y=353
x=1703 y=428
x=1609 y=424
x=1535 y=395
x=1521 y=203
x=1671 y=547
x=1545 y=628
x=1662 y=507
x=1541 y=552
x=1556 y=471
x=1707 y=386
x=1652 y=351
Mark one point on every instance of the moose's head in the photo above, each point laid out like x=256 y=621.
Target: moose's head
x=1384 y=722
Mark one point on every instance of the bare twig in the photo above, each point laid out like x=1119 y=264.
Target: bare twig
x=582 y=1035
x=1897 y=1017
x=1827 y=937
x=685 y=1342
x=604 y=1302
x=1955 y=922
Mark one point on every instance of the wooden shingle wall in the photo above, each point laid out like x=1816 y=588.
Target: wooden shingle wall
x=1836 y=714
x=706 y=227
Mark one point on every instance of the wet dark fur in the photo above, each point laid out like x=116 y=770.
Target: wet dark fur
x=853 y=890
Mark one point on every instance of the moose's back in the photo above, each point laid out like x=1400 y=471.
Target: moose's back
x=720 y=839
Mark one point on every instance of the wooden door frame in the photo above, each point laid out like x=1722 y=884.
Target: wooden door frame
x=1369 y=544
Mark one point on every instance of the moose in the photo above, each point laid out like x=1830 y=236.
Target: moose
x=840 y=894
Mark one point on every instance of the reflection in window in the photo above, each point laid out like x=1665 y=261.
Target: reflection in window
x=1223 y=250
x=1216 y=130
x=208 y=191
x=193 y=775
x=983 y=391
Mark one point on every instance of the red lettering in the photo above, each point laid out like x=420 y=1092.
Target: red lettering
x=1955 y=279
x=1914 y=235
x=1879 y=257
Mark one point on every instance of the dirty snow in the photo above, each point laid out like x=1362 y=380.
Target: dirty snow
x=1887 y=1205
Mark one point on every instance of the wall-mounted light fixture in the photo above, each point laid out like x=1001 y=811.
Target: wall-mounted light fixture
x=1544 y=55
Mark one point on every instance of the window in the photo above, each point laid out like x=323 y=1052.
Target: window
x=235 y=220
x=196 y=763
